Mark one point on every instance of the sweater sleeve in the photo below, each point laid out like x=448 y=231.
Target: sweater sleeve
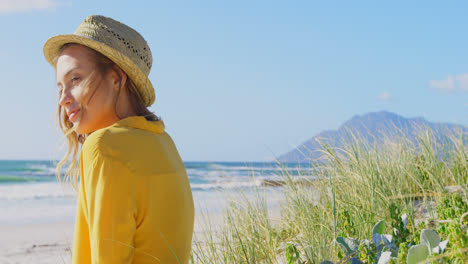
x=111 y=206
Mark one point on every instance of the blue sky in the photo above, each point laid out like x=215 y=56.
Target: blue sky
x=248 y=80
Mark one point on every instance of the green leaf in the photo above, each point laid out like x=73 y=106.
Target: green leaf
x=292 y=254
x=387 y=239
x=348 y=245
x=326 y=262
x=385 y=257
x=443 y=245
x=379 y=228
x=430 y=238
x=376 y=239
x=404 y=218
x=417 y=253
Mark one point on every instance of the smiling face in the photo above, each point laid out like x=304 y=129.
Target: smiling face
x=87 y=93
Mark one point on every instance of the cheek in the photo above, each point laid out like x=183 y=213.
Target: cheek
x=80 y=94
x=102 y=99
x=100 y=104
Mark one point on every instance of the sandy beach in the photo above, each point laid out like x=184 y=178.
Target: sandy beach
x=47 y=243
x=36 y=243
x=52 y=242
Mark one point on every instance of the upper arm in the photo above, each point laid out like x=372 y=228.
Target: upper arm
x=111 y=204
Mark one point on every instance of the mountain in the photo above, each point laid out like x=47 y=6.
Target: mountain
x=371 y=128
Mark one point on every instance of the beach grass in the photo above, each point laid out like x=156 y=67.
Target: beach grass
x=349 y=189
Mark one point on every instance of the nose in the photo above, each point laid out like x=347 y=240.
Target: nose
x=65 y=98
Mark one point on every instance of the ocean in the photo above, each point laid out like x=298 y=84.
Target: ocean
x=30 y=192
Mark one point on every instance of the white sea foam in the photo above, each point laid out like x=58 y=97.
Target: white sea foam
x=47 y=190
x=226 y=185
x=34 y=191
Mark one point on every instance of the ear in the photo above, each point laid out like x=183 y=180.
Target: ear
x=121 y=78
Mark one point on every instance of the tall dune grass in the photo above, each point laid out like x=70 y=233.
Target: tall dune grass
x=350 y=188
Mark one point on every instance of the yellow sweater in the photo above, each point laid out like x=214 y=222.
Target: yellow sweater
x=135 y=203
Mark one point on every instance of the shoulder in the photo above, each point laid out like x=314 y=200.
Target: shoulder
x=122 y=142
x=109 y=141
x=95 y=142
x=101 y=167
x=138 y=148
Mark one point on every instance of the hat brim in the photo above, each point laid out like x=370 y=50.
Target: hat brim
x=53 y=45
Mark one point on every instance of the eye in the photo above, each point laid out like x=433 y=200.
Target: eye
x=75 y=80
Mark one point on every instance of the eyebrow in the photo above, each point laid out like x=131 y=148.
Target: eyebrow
x=66 y=74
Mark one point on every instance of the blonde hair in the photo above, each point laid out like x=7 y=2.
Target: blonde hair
x=103 y=65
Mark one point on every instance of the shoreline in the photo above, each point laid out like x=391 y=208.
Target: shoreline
x=45 y=243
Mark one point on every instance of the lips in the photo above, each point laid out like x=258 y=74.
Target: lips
x=72 y=114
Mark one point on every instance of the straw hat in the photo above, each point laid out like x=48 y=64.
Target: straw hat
x=119 y=42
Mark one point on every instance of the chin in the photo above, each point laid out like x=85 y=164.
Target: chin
x=80 y=125
x=81 y=129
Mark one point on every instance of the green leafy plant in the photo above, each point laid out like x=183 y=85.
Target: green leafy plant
x=458 y=237
x=292 y=254
x=430 y=246
x=451 y=207
x=398 y=223
x=346 y=223
x=381 y=249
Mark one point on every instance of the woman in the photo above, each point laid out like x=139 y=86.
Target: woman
x=134 y=199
